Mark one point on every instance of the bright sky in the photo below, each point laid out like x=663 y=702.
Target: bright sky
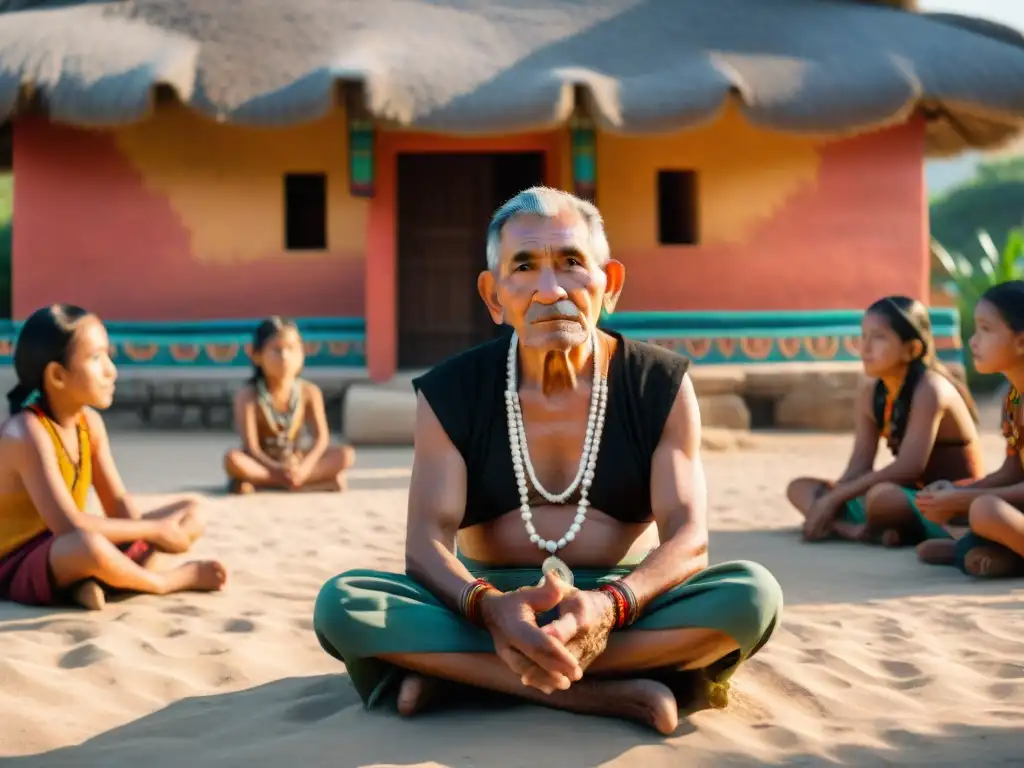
x=1010 y=12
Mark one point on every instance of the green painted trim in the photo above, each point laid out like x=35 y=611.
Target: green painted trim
x=709 y=338
x=330 y=342
x=744 y=338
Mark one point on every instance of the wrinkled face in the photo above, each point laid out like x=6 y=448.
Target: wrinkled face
x=995 y=346
x=882 y=351
x=548 y=286
x=283 y=356
x=88 y=376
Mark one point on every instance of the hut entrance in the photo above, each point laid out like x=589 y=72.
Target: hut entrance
x=445 y=202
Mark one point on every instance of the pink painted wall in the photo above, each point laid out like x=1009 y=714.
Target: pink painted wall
x=134 y=234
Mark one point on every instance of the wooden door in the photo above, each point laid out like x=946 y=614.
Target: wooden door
x=444 y=205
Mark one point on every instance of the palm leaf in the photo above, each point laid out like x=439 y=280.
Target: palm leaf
x=989 y=247
x=944 y=258
x=1012 y=258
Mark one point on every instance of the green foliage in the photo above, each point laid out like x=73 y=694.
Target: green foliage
x=968 y=281
x=993 y=200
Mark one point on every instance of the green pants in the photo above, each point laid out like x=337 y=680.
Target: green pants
x=855 y=512
x=362 y=614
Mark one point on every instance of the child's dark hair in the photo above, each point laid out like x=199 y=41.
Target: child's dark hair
x=910 y=320
x=45 y=337
x=266 y=331
x=1008 y=299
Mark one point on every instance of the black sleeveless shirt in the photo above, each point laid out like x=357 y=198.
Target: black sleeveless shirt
x=466 y=393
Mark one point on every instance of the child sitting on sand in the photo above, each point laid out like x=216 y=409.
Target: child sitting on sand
x=928 y=420
x=994 y=545
x=52 y=449
x=270 y=413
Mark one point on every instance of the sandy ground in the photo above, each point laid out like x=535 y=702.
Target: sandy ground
x=878 y=661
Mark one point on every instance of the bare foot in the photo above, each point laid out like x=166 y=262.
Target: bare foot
x=242 y=488
x=416 y=693
x=937 y=552
x=197 y=576
x=891 y=539
x=90 y=595
x=850 y=531
x=340 y=482
x=644 y=701
x=993 y=562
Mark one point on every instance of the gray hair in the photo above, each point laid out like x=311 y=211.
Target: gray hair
x=547 y=202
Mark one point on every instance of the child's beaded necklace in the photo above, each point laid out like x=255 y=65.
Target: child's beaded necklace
x=280 y=422
x=1011 y=421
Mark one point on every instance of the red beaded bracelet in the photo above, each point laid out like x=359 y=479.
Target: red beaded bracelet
x=626 y=606
x=469 y=602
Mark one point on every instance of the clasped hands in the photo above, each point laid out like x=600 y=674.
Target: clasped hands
x=292 y=472
x=554 y=656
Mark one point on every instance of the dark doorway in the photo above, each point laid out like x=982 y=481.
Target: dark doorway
x=445 y=202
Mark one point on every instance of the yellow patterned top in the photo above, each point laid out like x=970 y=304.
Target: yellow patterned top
x=20 y=522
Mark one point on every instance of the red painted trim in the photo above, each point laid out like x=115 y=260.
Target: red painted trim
x=382 y=226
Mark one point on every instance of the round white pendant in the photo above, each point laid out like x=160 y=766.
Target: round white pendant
x=556 y=565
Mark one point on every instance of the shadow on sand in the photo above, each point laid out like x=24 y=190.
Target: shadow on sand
x=856 y=573
x=318 y=721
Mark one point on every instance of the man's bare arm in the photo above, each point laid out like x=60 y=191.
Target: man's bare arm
x=437 y=504
x=679 y=503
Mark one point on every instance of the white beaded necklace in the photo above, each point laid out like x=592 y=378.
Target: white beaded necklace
x=522 y=465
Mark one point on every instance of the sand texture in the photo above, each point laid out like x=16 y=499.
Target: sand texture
x=878 y=660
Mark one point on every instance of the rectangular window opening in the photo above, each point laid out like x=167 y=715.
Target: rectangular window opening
x=677 y=207
x=305 y=211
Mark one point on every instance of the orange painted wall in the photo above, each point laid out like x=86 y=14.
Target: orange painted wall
x=786 y=222
x=181 y=218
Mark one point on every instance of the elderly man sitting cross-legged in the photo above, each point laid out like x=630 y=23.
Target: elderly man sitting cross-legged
x=499 y=471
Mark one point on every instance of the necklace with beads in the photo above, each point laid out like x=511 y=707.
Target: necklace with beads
x=280 y=422
x=523 y=466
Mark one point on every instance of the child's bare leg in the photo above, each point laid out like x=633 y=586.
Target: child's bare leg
x=1003 y=524
x=804 y=491
x=85 y=555
x=890 y=514
x=329 y=472
x=244 y=469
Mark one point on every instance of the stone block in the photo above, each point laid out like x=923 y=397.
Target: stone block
x=717 y=380
x=728 y=411
x=775 y=383
x=166 y=414
x=375 y=415
x=821 y=402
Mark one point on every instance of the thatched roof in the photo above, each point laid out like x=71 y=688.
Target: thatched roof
x=481 y=66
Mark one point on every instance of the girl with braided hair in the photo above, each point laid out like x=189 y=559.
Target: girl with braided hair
x=927 y=419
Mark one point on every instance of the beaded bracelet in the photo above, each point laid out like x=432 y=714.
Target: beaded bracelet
x=469 y=601
x=627 y=608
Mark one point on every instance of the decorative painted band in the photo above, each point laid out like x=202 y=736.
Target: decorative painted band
x=329 y=342
x=707 y=337
x=738 y=338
